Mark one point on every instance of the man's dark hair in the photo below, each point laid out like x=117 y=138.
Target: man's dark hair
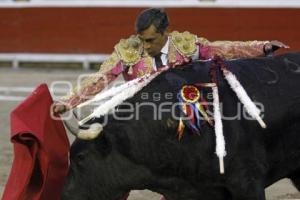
x=150 y=16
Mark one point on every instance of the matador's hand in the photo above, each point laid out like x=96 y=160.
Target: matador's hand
x=274 y=45
x=58 y=108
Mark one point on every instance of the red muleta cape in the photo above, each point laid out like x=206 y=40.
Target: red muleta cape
x=41 y=150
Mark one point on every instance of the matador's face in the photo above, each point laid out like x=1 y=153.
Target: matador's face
x=152 y=40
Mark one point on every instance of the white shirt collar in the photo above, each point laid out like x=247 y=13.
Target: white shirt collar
x=165 y=49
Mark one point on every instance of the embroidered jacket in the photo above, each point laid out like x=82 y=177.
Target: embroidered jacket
x=130 y=60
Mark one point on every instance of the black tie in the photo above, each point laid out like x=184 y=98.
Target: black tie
x=158 y=61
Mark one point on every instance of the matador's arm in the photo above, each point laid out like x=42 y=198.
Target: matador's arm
x=230 y=49
x=94 y=83
x=127 y=53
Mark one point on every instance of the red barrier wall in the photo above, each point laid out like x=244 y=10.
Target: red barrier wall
x=96 y=30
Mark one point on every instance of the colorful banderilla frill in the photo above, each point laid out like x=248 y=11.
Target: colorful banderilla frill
x=193 y=109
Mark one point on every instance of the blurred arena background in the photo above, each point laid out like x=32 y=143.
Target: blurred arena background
x=56 y=40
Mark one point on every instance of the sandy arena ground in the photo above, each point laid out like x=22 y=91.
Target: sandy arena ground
x=24 y=79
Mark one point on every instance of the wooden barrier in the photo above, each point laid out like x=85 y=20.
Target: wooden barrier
x=96 y=30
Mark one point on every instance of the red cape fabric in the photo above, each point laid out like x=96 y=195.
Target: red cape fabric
x=41 y=150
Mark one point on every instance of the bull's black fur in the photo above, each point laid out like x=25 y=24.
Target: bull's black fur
x=147 y=154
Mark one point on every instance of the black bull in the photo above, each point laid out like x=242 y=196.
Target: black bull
x=146 y=153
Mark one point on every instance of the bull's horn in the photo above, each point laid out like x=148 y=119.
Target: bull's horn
x=91 y=133
x=85 y=134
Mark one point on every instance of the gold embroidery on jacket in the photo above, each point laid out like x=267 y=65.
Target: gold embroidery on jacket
x=233 y=49
x=148 y=64
x=129 y=50
x=203 y=41
x=92 y=79
x=110 y=63
x=172 y=53
x=185 y=43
